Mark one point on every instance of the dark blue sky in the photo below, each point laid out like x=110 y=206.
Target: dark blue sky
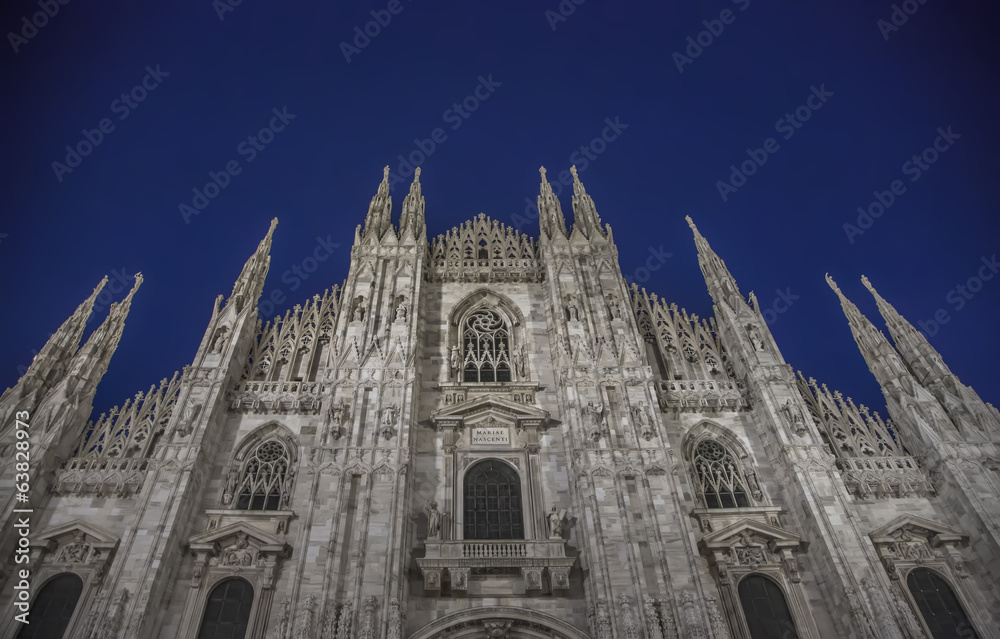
x=554 y=83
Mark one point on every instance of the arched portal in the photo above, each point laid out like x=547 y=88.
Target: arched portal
x=517 y=623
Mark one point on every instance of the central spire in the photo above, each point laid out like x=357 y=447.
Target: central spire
x=550 y=216
x=379 y=215
x=412 y=215
x=585 y=217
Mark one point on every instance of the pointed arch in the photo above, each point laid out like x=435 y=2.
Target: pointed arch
x=485 y=330
x=262 y=471
x=714 y=455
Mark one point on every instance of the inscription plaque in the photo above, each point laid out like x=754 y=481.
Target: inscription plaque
x=491 y=436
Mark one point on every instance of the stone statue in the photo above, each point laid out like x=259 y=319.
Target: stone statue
x=227 y=495
x=287 y=487
x=572 y=312
x=555 y=522
x=614 y=308
x=434 y=522
x=755 y=339
x=220 y=338
x=388 y=421
x=401 y=311
x=456 y=362
x=359 y=311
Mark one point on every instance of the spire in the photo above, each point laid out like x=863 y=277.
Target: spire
x=585 y=215
x=51 y=363
x=380 y=210
x=721 y=284
x=412 y=215
x=962 y=403
x=925 y=362
x=251 y=280
x=550 y=216
x=92 y=361
x=883 y=360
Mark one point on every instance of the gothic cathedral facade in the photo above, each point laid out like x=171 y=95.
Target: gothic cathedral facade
x=491 y=435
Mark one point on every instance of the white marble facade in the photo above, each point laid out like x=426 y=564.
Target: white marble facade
x=487 y=434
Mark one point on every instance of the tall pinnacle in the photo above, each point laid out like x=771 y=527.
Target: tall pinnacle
x=585 y=217
x=883 y=360
x=721 y=283
x=550 y=215
x=922 y=358
x=412 y=214
x=53 y=360
x=379 y=217
x=93 y=358
x=251 y=280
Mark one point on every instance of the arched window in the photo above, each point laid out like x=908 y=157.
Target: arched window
x=53 y=608
x=265 y=482
x=719 y=477
x=486 y=347
x=493 y=502
x=765 y=609
x=227 y=613
x=939 y=606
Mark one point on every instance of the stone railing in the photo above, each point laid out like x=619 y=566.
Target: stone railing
x=700 y=395
x=530 y=559
x=278 y=397
x=884 y=477
x=101 y=476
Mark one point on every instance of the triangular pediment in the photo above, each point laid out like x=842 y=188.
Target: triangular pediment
x=70 y=528
x=218 y=535
x=776 y=538
x=483 y=405
x=932 y=530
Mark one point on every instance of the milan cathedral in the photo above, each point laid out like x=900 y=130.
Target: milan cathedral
x=485 y=434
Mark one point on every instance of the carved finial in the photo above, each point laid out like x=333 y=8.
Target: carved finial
x=416 y=174
x=833 y=285
x=385 y=173
x=572 y=169
x=541 y=170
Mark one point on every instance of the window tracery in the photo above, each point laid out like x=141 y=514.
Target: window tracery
x=486 y=347
x=721 y=482
x=264 y=482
